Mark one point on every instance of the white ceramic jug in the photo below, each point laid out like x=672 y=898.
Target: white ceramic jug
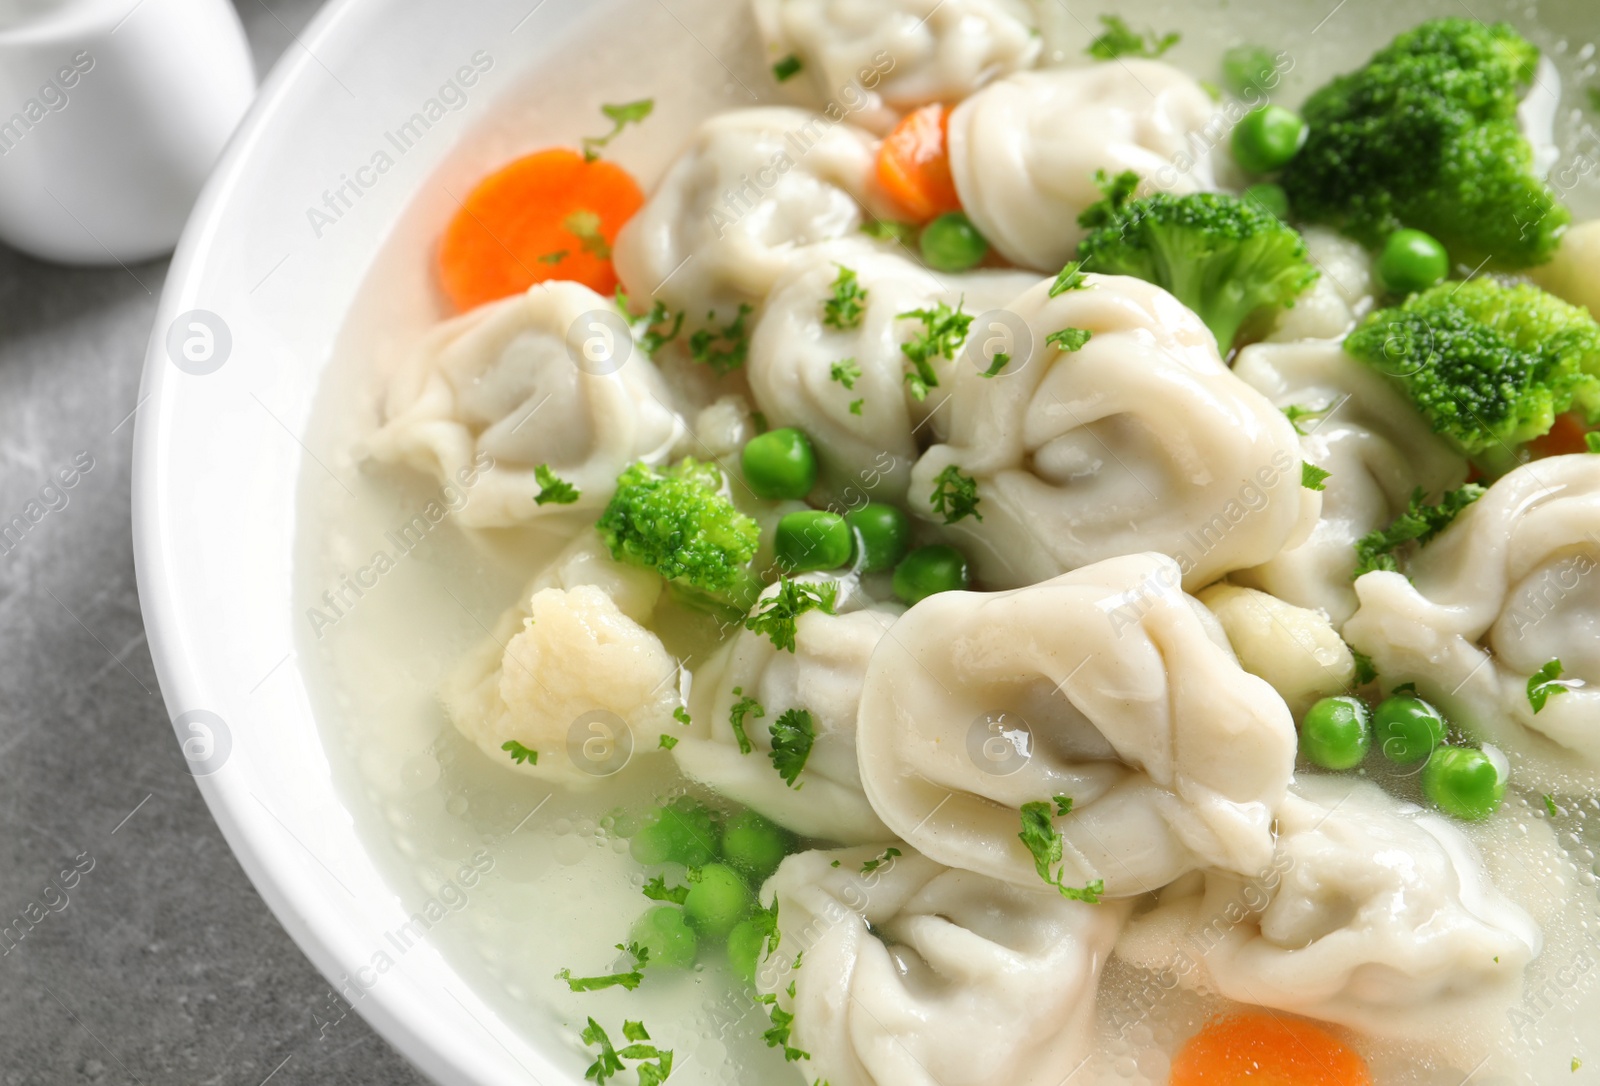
x=112 y=113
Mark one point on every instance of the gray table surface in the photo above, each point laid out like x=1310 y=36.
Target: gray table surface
x=161 y=964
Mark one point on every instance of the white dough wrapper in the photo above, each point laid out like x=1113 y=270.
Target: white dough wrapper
x=752 y=187
x=1024 y=150
x=1511 y=585
x=793 y=350
x=1376 y=449
x=877 y=57
x=501 y=385
x=1344 y=292
x=1141 y=440
x=1374 y=914
x=568 y=670
x=915 y=974
x=823 y=676
x=1107 y=685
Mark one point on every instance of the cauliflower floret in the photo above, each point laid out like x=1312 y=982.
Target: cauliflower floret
x=1293 y=648
x=582 y=685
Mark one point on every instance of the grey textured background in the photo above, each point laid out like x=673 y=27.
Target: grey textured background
x=163 y=966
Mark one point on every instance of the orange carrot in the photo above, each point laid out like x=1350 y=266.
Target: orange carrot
x=914 y=164
x=548 y=215
x=1566 y=436
x=1257 y=1049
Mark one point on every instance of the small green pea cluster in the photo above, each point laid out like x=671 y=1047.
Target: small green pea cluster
x=727 y=858
x=781 y=465
x=1265 y=141
x=1339 y=733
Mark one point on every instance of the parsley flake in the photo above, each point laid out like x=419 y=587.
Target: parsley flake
x=520 y=754
x=1591 y=441
x=955 y=496
x=944 y=330
x=787 y=68
x=646 y=328
x=552 y=258
x=844 y=309
x=1550 y=804
x=667 y=741
x=681 y=715
x=996 y=364
x=552 y=488
x=1071 y=277
x=888 y=230
x=775 y=615
x=629 y=979
x=1545 y=684
x=793 y=733
x=1313 y=477
x=1063 y=804
x=723 y=349
x=1121 y=40
x=1045 y=843
x=846 y=372
x=1420 y=522
x=745 y=707
x=1295 y=413
x=885 y=858
x=1365 y=672
x=658 y=890
x=1069 y=339
x=778 y=1035
x=855 y=406
x=620 y=116
x=584 y=225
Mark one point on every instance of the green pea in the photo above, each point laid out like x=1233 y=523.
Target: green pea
x=745 y=949
x=1336 y=733
x=718 y=899
x=951 y=243
x=682 y=832
x=928 y=570
x=754 y=846
x=1412 y=261
x=667 y=936
x=812 y=539
x=1270 y=198
x=1266 y=139
x=780 y=464
x=1407 y=728
x=884 y=534
x=1463 y=782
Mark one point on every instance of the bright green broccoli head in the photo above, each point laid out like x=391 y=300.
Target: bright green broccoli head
x=1223 y=257
x=1426 y=136
x=681 y=524
x=1489 y=366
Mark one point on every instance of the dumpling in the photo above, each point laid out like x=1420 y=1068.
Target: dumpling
x=570 y=673
x=1344 y=292
x=822 y=676
x=1294 y=648
x=514 y=384
x=868 y=434
x=875 y=57
x=1108 y=686
x=913 y=974
x=1141 y=440
x=1374 y=914
x=1377 y=451
x=1504 y=590
x=753 y=186
x=1024 y=151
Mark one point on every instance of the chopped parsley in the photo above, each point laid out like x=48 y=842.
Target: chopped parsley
x=553 y=258
x=1069 y=339
x=944 y=330
x=745 y=707
x=846 y=372
x=723 y=349
x=650 y=339
x=520 y=754
x=1420 y=522
x=793 y=733
x=775 y=615
x=1040 y=837
x=1545 y=684
x=1365 y=672
x=630 y=979
x=955 y=496
x=778 y=1035
x=584 y=225
x=1071 y=277
x=888 y=230
x=653 y=1064
x=1294 y=413
x=681 y=715
x=844 y=309
x=884 y=858
x=620 y=116
x=1550 y=804
x=552 y=488
x=855 y=406
x=1594 y=104
x=1120 y=40
x=1116 y=191
x=996 y=364
x=667 y=741
x=658 y=890
x=1313 y=477
x=787 y=68
x=1591 y=441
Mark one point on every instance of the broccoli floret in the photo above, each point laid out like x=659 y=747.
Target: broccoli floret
x=1223 y=257
x=681 y=524
x=1489 y=366
x=1426 y=136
